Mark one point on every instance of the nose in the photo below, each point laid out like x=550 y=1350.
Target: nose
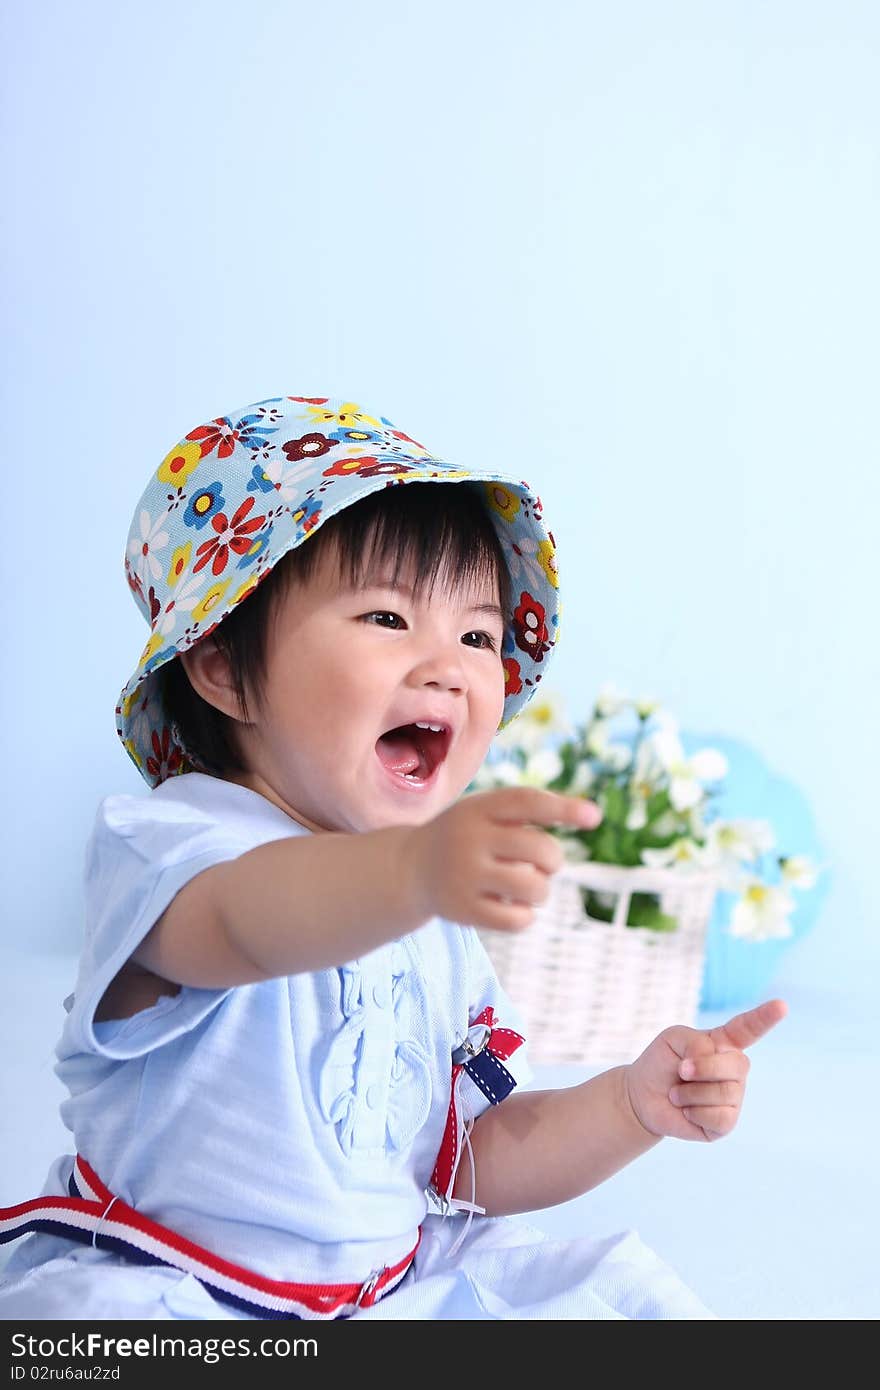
x=441 y=665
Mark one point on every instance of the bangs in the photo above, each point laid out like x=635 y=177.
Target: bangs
x=428 y=530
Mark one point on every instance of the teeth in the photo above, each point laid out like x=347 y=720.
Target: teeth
x=438 y=728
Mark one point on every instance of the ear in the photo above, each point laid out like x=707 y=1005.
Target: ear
x=207 y=666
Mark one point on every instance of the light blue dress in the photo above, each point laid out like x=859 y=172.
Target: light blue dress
x=290 y=1126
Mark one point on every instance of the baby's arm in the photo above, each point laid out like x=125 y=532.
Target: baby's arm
x=309 y=902
x=297 y=904
x=539 y=1148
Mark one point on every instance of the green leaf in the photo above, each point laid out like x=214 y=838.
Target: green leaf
x=616 y=803
x=644 y=911
x=658 y=805
x=605 y=845
x=593 y=907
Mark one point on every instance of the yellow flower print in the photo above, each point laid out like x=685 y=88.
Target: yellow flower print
x=348 y=417
x=546 y=558
x=131 y=700
x=131 y=750
x=210 y=601
x=179 y=563
x=179 y=463
x=416 y=473
x=505 y=502
x=151 y=648
x=246 y=588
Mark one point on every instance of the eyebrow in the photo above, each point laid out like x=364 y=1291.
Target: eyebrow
x=490 y=608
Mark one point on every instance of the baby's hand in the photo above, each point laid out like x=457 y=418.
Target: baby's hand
x=689 y=1084
x=486 y=862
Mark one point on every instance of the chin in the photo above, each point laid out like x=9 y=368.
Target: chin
x=384 y=817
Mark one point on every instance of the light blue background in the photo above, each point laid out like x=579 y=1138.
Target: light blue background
x=629 y=251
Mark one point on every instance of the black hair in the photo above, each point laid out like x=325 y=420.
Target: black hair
x=428 y=526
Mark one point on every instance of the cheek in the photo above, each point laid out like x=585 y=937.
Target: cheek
x=500 y=691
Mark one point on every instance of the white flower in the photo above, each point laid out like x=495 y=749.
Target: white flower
x=597 y=737
x=647 y=774
x=522 y=561
x=762 y=913
x=637 y=815
x=744 y=840
x=685 y=774
x=184 y=597
x=730 y=844
x=667 y=824
x=610 y=702
x=798 y=871
x=582 y=779
x=496 y=774
x=143 y=551
x=618 y=756
x=650 y=770
x=542 y=717
x=681 y=854
x=644 y=782
x=286 y=480
x=539 y=769
x=615 y=756
x=645 y=706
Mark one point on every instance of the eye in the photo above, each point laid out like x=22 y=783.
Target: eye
x=488 y=640
x=379 y=613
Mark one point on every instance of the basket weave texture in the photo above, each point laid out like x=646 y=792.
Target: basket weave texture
x=598 y=992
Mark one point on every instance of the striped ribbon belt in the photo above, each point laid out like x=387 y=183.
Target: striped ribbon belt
x=93 y=1215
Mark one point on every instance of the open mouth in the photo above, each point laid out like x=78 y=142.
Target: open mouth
x=412 y=753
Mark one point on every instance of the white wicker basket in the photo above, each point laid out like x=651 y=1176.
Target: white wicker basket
x=598 y=992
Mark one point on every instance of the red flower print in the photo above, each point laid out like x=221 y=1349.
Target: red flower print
x=219 y=434
x=236 y=535
x=308 y=446
x=407 y=438
x=530 y=627
x=512 y=682
x=155 y=606
x=367 y=466
x=167 y=756
x=310 y=400
x=135 y=583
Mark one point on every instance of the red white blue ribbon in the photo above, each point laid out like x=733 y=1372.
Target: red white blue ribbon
x=481 y=1056
x=94 y=1216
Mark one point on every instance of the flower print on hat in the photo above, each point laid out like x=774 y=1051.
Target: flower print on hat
x=236 y=494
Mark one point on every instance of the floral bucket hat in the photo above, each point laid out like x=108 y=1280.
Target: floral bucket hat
x=236 y=494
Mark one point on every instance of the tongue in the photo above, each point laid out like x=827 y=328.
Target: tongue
x=400 y=753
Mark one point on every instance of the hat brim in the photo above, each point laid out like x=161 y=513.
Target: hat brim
x=531 y=627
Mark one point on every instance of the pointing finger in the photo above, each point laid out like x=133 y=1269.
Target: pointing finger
x=745 y=1029
x=539 y=806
